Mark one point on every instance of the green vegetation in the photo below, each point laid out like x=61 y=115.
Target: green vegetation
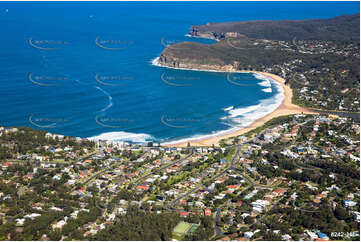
x=31 y=141
x=335 y=29
x=183 y=229
x=314 y=158
x=320 y=59
x=203 y=232
x=274 y=121
x=140 y=225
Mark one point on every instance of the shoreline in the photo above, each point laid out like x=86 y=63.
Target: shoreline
x=285 y=108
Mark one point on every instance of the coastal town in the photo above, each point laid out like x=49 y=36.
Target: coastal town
x=259 y=140
x=294 y=178
x=321 y=85
x=323 y=69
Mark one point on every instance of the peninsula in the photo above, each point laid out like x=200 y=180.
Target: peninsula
x=315 y=61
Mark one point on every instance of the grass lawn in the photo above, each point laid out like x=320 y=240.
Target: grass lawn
x=230 y=155
x=182 y=229
x=192 y=228
x=60 y=161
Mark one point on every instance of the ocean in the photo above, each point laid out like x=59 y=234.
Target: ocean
x=85 y=69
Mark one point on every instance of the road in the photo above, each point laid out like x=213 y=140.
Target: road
x=92 y=177
x=270 y=209
x=303 y=210
x=218 y=213
x=216 y=219
x=213 y=178
x=171 y=204
x=95 y=175
x=100 y=172
x=163 y=168
x=194 y=189
x=312 y=168
x=246 y=177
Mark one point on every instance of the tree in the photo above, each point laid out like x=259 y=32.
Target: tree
x=249 y=220
x=341 y=213
x=55 y=235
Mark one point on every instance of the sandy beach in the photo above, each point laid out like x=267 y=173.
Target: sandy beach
x=286 y=108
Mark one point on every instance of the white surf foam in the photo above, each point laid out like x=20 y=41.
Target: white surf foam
x=198 y=37
x=200 y=137
x=155 y=62
x=265 y=83
x=246 y=116
x=110 y=98
x=121 y=136
x=242 y=117
x=241 y=111
x=261 y=77
x=267 y=89
x=228 y=109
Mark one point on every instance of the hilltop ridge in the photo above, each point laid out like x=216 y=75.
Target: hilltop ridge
x=341 y=28
x=321 y=54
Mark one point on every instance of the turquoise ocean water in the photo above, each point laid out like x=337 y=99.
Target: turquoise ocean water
x=85 y=69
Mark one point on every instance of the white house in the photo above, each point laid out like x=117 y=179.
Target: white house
x=32 y=216
x=350 y=203
x=312 y=235
x=248 y=235
x=59 y=224
x=286 y=237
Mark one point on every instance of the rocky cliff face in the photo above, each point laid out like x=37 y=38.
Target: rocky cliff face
x=196 y=32
x=341 y=28
x=166 y=59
